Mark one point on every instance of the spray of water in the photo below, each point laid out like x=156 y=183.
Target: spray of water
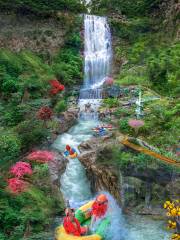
x=116 y=229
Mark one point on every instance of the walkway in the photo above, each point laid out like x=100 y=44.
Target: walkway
x=138 y=148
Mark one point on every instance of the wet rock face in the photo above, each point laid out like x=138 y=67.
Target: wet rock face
x=142 y=191
x=58 y=165
x=174 y=189
x=68 y=119
x=57 y=168
x=101 y=177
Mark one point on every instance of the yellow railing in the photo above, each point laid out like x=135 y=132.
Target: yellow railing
x=138 y=148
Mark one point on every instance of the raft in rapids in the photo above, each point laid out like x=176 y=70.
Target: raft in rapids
x=84 y=219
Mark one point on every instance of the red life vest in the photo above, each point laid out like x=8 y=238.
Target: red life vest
x=99 y=210
x=72 y=228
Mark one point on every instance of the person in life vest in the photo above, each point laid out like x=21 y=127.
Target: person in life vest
x=67 y=151
x=99 y=208
x=72 y=225
x=68 y=148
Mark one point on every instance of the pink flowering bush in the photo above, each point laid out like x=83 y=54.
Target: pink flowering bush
x=16 y=185
x=136 y=124
x=20 y=169
x=41 y=156
x=109 y=81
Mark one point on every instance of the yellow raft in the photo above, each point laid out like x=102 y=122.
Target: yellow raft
x=73 y=155
x=82 y=216
x=62 y=235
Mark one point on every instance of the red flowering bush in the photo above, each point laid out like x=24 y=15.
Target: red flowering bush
x=56 y=87
x=16 y=185
x=44 y=113
x=20 y=169
x=41 y=156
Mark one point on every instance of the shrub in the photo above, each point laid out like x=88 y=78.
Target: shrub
x=111 y=102
x=9 y=84
x=42 y=7
x=12 y=115
x=16 y=185
x=124 y=126
x=41 y=156
x=60 y=106
x=44 y=113
x=163 y=70
x=31 y=132
x=123 y=112
x=10 y=146
x=20 y=169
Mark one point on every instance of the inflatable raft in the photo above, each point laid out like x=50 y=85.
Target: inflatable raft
x=108 y=127
x=71 y=154
x=83 y=217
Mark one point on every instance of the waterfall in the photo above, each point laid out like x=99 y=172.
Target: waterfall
x=97 y=64
x=97 y=53
x=74 y=183
x=97 y=58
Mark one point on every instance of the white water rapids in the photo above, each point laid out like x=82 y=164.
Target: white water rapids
x=74 y=183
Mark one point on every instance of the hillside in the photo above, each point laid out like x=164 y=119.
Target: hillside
x=41 y=69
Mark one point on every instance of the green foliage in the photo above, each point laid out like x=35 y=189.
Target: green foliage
x=31 y=132
x=111 y=102
x=30 y=211
x=24 y=89
x=60 y=106
x=133 y=76
x=10 y=146
x=41 y=7
x=162 y=119
x=68 y=63
x=163 y=70
x=130 y=8
x=12 y=114
x=124 y=126
x=123 y=112
x=132 y=29
x=10 y=63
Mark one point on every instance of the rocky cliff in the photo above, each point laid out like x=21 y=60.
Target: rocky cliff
x=133 y=187
x=43 y=36
x=101 y=177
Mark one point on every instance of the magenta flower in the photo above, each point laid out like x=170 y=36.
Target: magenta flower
x=134 y=123
x=16 y=185
x=20 y=169
x=41 y=156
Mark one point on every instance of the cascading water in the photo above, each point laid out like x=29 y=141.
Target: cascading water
x=97 y=54
x=97 y=64
x=74 y=183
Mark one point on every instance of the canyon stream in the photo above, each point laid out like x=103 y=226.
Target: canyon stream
x=74 y=183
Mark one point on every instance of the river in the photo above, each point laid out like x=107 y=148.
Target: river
x=74 y=183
